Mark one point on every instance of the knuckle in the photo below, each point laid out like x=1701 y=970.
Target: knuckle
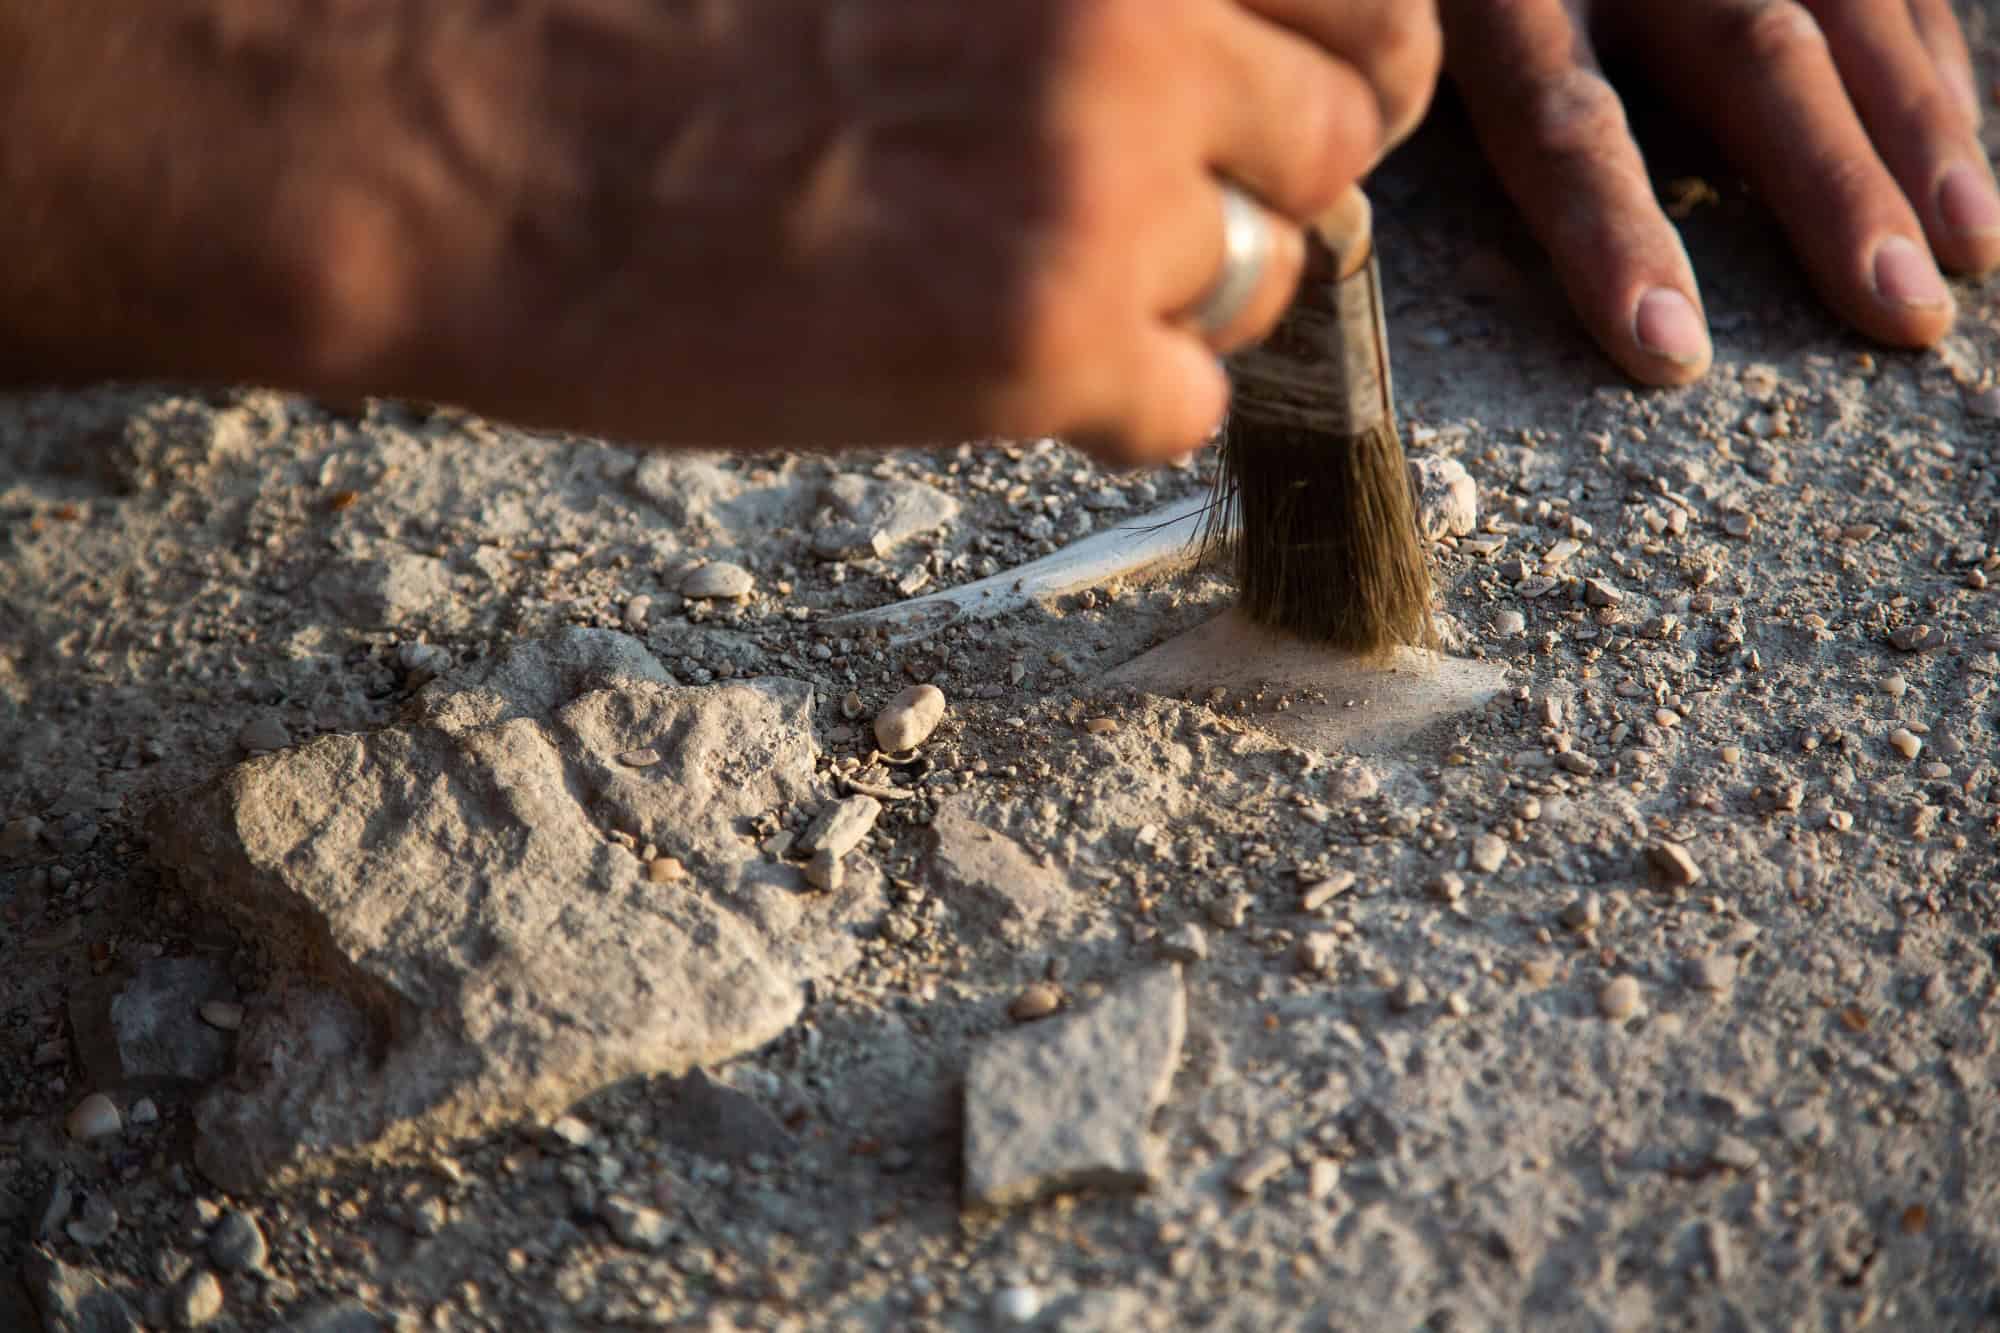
x=1334 y=135
x=1765 y=32
x=1574 y=114
x=1409 y=46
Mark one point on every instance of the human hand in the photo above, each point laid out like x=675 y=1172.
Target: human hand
x=751 y=222
x=1857 y=120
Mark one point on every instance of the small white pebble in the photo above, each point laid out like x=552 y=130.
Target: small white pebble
x=909 y=718
x=222 y=1014
x=95 y=1117
x=1906 y=742
x=1509 y=623
x=1619 y=998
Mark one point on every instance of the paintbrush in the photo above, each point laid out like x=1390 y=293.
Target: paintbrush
x=1312 y=497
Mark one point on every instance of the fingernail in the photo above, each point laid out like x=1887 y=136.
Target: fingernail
x=1905 y=275
x=1667 y=326
x=1967 y=203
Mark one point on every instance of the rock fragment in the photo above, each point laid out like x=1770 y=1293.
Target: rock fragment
x=1322 y=892
x=1186 y=943
x=147 y=1030
x=1447 y=499
x=636 y=1226
x=1067 y=1103
x=1906 y=742
x=987 y=878
x=1489 y=853
x=840 y=826
x=908 y=719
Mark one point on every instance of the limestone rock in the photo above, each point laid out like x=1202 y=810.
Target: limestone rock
x=908 y=719
x=1068 y=1103
x=471 y=946
x=841 y=825
x=1447 y=499
x=146 y=1030
x=987 y=878
x=872 y=516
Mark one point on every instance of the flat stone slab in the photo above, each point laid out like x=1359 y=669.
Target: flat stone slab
x=1068 y=1103
x=473 y=937
x=1335 y=703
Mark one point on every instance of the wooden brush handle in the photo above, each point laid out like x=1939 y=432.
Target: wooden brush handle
x=1325 y=369
x=1347 y=230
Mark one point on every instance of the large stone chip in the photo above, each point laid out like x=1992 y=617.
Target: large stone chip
x=1068 y=1103
x=989 y=880
x=471 y=947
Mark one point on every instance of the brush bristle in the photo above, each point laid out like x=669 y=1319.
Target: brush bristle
x=1323 y=531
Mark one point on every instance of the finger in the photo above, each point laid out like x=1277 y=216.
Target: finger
x=1556 y=133
x=1275 y=255
x=1176 y=397
x=1919 y=128
x=1396 y=45
x=1287 y=120
x=1787 y=122
x=1937 y=28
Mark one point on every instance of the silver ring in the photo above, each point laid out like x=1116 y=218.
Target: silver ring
x=1246 y=253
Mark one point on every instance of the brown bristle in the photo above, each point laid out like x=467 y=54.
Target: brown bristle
x=1323 y=533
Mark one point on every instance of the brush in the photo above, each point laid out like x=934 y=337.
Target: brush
x=1312 y=498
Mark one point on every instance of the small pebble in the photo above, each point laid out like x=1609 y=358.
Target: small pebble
x=1583 y=913
x=571 y=1131
x=720 y=579
x=1840 y=821
x=1316 y=952
x=1895 y=686
x=1537 y=973
x=1489 y=852
x=1322 y=1178
x=95 y=1117
x=1733 y=1153
x=1231 y=911
x=1577 y=763
x=264 y=732
x=636 y=1226
x=637 y=611
x=827 y=870
x=1447 y=888
x=197 y=1301
x=1508 y=624
x=665 y=870
x=1411 y=994
x=222 y=1014
x=1017 y=1305
x=850 y=705
x=1914 y=638
x=1037 y=1001
x=1457 y=1005
x=144 y=1112
x=1906 y=742
x=639 y=758
x=1672 y=863
x=1596 y=592
x=1529 y=809
x=909 y=718
x=237 y=1243
x=1712 y=972
x=1731 y=755
x=1325 y=891
x=96 y=1223
x=1259 y=1169
x=1618 y=998
x=1985 y=404
x=1186 y=943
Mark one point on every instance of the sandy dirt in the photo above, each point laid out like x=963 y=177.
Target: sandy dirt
x=1753 y=620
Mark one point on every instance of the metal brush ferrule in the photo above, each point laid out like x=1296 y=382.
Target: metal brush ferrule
x=1325 y=368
